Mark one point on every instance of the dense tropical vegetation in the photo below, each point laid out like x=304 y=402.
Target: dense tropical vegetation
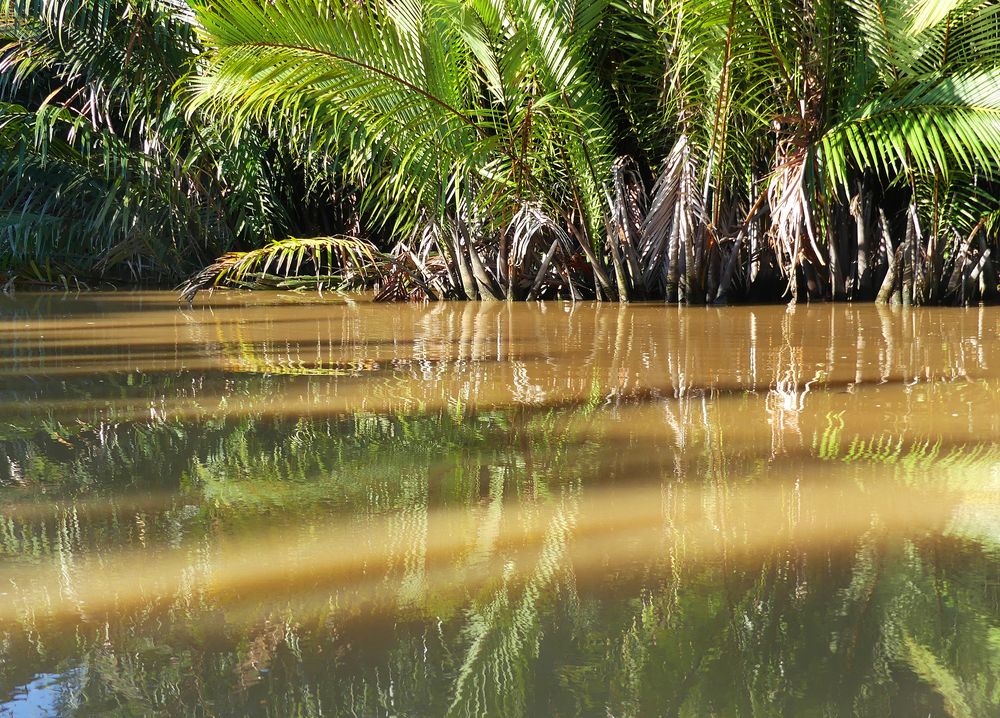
x=687 y=150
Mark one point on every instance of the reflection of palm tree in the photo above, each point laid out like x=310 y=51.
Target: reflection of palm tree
x=504 y=634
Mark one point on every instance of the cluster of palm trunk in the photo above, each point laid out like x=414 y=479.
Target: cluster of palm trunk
x=692 y=152
x=661 y=246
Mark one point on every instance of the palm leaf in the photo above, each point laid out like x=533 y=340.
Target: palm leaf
x=335 y=260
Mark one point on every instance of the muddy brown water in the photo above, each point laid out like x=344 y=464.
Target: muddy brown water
x=272 y=504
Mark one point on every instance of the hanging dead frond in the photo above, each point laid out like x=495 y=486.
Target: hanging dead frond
x=674 y=237
x=536 y=241
x=414 y=275
x=627 y=210
x=790 y=203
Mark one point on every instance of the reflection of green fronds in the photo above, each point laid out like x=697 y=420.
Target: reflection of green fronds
x=505 y=635
x=936 y=675
x=793 y=630
x=829 y=443
x=253 y=358
x=335 y=261
x=898 y=615
x=250 y=362
x=365 y=459
x=635 y=653
x=912 y=457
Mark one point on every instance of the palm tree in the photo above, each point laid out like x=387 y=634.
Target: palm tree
x=478 y=129
x=690 y=150
x=484 y=131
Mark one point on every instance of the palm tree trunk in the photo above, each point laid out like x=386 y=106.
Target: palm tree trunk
x=836 y=275
x=487 y=289
x=546 y=260
x=616 y=261
x=907 y=270
x=987 y=276
x=673 y=265
x=599 y=274
x=860 y=210
x=468 y=282
x=893 y=259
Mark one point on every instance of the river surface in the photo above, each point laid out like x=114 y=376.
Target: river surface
x=285 y=506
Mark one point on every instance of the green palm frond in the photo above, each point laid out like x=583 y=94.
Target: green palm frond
x=335 y=261
x=98 y=167
x=336 y=73
x=954 y=121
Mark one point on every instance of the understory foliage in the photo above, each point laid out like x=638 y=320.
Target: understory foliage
x=688 y=150
x=99 y=168
x=103 y=172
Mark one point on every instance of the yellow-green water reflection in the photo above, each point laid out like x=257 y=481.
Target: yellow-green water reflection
x=269 y=506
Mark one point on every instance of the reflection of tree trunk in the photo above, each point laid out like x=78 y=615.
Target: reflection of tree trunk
x=410 y=529
x=527 y=455
x=872 y=553
x=601 y=319
x=505 y=339
x=683 y=689
x=468 y=334
x=617 y=373
x=489 y=522
x=980 y=343
x=859 y=351
x=733 y=620
x=482 y=331
x=888 y=360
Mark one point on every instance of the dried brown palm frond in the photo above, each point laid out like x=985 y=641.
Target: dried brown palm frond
x=414 y=275
x=536 y=241
x=674 y=241
x=335 y=261
x=735 y=240
x=793 y=233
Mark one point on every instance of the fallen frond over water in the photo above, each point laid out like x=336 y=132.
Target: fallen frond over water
x=335 y=263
